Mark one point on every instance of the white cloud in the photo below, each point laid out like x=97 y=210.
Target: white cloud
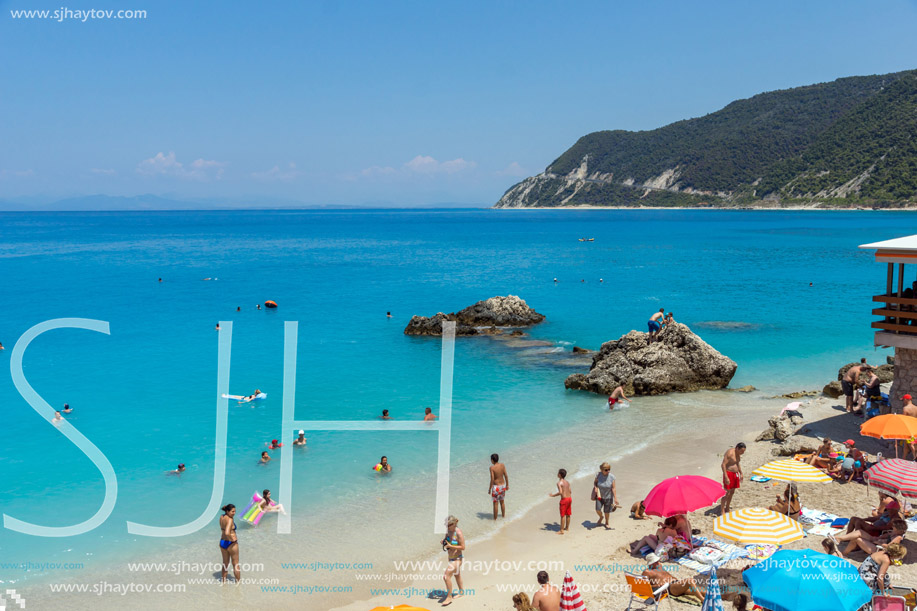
x=17 y=173
x=277 y=174
x=103 y=171
x=513 y=169
x=419 y=165
x=168 y=165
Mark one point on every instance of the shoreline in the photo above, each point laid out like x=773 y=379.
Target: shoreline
x=720 y=208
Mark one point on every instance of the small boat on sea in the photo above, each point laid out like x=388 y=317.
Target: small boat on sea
x=587 y=239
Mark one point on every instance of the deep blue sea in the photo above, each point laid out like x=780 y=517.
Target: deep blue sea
x=145 y=394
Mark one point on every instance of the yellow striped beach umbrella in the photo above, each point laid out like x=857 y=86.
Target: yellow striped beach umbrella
x=791 y=471
x=756 y=525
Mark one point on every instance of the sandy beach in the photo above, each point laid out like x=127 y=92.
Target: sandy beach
x=597 y=557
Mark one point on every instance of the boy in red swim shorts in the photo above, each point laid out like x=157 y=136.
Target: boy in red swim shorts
x=566 y=500
x=732 y=475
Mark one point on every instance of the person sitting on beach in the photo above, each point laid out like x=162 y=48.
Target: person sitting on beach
x=874 y=569
x=385 y=415
x=822 y=458
x=683 y=528
x=854 y=463
x=547 y=598
x=499 y=484
x=521 y=602
x=871 y=392
x=669 y=319
x=836 y=469
x=788 y=504
x=666 y=529
x=266 y=501
x=67 y=408
x=868 y=543
x=638 y=511
x=178 y=470
x=301 y=440
x=265 y=458
x=617 y=395
x=655 y=325
x=658 y=577
x=830 y=547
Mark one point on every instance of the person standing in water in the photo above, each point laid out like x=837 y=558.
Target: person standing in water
x=617 y=395
x=566 y=500
x=454 y=546
x=386 y=468
x=428 y=415
x=499 y=484
x=229 y=543
x=655 y=324
x=301 y=440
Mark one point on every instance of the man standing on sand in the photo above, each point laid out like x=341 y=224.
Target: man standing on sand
x=655 y=324
x=499 y=484
x=566 y=500
x=849 y=381
x=547 y=598
x=732 y=475
x=428 y=415
x=617 y=395
x=908 y=409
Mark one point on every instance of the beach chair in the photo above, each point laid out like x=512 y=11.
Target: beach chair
x=642 y=590
x=888 y=603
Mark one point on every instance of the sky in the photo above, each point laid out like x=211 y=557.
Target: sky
x=387 y=102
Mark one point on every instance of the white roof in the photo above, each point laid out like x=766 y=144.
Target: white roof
x=905 y=243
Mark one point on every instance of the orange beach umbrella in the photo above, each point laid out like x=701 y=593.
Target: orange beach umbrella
x=890 y=426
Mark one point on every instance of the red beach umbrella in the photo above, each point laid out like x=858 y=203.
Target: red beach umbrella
x=682 y=494
x=570 y=600
x=895 y=476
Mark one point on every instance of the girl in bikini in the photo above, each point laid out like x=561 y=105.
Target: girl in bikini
x=454 y=546
x=229 y=543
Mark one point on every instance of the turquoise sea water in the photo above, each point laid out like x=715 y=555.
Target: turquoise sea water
x=145 y=393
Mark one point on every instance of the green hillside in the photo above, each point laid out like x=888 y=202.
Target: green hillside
x=849 y=142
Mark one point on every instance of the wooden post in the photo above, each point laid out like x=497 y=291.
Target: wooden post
x=891 y=275
x=900 y=307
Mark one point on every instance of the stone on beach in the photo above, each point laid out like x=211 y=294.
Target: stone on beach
x=678 y=361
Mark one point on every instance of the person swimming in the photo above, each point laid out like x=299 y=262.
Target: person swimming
x=218 y=326
x=385 y=415
x=67 y=408
x=178 y=470
x=265 y=458
x=301 y=440
x=388 y=314
x=57 y=418
x=275 y=445
x=386 y=468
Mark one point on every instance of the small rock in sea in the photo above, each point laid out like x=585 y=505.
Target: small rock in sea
x=832 y=389
x=578 y=350
x=509 y=311
x=798 y=394
x=747 y=388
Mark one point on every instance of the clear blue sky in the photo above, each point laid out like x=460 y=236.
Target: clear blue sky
x=410 y=103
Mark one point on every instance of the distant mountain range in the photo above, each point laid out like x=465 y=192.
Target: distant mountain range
x=848 y=143
x=106 y=203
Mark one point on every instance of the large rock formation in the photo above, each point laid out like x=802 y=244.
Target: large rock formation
x=885 y=373
x=679 y=361
x=509 y=311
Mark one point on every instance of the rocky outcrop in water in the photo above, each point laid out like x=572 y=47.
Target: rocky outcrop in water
x=480 y=318
x=679 y=361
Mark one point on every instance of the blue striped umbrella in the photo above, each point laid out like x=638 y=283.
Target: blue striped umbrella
x=713 y=601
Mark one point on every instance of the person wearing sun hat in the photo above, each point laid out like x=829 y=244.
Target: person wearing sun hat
x=658 y=577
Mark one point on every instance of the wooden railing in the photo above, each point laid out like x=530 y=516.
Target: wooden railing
x=900 y=314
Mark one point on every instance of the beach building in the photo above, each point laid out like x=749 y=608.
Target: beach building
x=897 y=309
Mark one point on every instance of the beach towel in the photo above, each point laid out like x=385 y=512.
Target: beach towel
x=761 y=552
x=730 y=552
x=814 y=516
x=689 y=598
x=823 y=530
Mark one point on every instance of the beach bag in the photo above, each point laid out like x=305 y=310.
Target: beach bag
x=594 y=496
x=706 y=555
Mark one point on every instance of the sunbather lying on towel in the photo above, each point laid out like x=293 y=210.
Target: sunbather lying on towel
x=860 y=540
x=658 y=577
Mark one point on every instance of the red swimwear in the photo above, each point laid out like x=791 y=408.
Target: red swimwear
x=566 y=506
x=732 y=480
x=612 y=401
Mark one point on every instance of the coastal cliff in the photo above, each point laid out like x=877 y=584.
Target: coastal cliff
x=848 y=143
